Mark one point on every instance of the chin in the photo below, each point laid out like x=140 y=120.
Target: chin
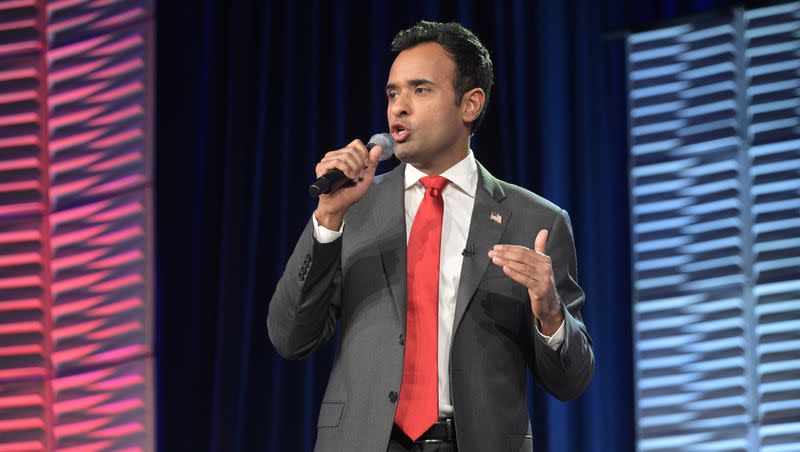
x=402 y=153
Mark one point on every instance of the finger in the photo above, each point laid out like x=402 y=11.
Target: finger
x=349 y=161
x=359 y=147
x=534 y=275
x=519 y=277
x=519 y=254
x=540 y=245
x=354 y=158
x=360 y=153
x=336 y=162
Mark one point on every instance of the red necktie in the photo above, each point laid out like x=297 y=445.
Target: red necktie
x=418 y=407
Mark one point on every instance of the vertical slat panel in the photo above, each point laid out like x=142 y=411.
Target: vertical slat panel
x=773 y=52
x=25 y=421
x=715 y=196
x=688 y=236
x=75 y=193
x=97 y=81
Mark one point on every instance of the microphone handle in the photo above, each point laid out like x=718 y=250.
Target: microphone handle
x=328 y=183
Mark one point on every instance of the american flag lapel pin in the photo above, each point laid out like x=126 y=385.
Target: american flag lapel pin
x=496 y=218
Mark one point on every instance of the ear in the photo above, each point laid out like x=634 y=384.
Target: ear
x=472 y=104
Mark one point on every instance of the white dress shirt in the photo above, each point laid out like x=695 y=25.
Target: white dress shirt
x=459 y=199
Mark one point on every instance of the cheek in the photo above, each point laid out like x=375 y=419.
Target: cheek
x=447 y=122
x=449 y=114
x=440 y=116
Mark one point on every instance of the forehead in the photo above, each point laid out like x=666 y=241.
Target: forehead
x=428 y=61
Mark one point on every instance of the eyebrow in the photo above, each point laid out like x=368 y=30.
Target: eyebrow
x=412 y=82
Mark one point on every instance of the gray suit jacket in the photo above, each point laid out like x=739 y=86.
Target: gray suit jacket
x=360 y=279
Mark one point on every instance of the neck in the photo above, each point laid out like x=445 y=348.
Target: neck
x=443 y=162
x=440 y=166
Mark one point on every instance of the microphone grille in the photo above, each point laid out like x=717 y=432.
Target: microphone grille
x=385 y=141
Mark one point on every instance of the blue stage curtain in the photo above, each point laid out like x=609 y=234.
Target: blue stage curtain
x=251 y=93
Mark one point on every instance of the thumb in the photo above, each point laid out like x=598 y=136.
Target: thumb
x=541 y=241
x=375 y=156
x=372 y=165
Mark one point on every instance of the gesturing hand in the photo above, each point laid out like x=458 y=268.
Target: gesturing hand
x=532 y=269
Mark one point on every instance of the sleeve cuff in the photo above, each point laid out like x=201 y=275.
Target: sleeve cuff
x=556 y=339
x=323 y=234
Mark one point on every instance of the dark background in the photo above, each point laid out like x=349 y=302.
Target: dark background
x=251 y=93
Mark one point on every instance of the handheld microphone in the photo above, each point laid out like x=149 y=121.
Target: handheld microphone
x=334 y=179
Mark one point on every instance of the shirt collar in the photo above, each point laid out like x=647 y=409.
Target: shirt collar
x=463 y=175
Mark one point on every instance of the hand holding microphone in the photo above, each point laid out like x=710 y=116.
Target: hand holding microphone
x=344 y=175
x=335 y=178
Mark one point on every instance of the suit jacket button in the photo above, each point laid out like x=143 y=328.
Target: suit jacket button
x=402 y=339
x=393 y=396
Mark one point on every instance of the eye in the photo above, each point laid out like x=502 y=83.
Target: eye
x=391 y=94
x=421 y=90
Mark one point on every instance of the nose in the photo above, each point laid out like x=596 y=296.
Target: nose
x=399 y=106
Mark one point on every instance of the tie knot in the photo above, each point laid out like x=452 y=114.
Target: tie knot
x=437 y=182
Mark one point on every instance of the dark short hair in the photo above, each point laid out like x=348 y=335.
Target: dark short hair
x=473 y=63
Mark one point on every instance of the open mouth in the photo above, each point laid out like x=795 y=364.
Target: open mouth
x=400 y=133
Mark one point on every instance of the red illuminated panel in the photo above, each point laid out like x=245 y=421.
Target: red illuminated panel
x=23 y=414
x=25 y=393
x=97 y=124
x=78 y=18
x=75 y=260
x=99 y=287
x=104 y=409
x=20 y=22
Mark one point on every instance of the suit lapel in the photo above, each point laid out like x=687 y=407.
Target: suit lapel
x=484 y=233
x=389 y=224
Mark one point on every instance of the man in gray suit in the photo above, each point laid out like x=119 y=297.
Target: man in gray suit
x=442 y=301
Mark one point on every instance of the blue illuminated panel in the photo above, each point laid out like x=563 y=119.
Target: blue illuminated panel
x=715 y=198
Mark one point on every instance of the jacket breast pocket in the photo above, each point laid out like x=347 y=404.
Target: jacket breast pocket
x=330 y=414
